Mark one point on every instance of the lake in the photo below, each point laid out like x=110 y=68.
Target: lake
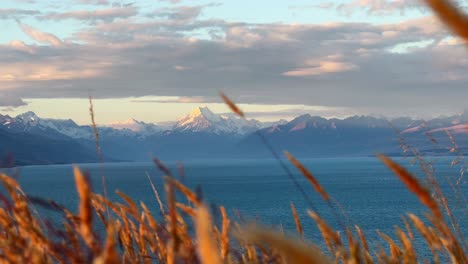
x=260 y=190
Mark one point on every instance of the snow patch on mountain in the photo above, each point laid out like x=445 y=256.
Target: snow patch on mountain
x=202 y=119
x=412 y=129
x=136 y=127
x=456 y=129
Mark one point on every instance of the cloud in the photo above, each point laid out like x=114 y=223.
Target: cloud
x=94 y=2
x=21 y=46
x=37 y=72
x=172 y=1
x=181 y=99
x=380 y=7
x=293 y=112
x=180 y=13
x=26 y=1
x=347 y=65
x=107 y=14
x=377 y=7
x=11 y=102
x=322 y=67
x=40 y=36
x=13 y=13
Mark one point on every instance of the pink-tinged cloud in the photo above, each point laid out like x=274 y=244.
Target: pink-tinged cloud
x=21 y=46
x=39 y=36
x=323 y=67
x=107 y=14
x=38 y=72
x=181 y=68
x=379 y=7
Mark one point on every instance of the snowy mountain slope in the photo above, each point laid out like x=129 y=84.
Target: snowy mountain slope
x=202 y=119
x=137 y=127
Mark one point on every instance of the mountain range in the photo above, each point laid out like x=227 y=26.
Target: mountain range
x=202 y=134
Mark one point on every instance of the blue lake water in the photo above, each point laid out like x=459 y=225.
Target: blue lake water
x=370 y=194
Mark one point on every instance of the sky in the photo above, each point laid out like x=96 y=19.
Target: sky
x=155 y=60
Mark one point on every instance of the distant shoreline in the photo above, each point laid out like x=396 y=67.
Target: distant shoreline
x=217 y=160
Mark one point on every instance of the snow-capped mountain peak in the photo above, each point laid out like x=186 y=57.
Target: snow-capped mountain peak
x=135 y=126
x=28 y=118
x=198 y=115
x=130 y=124
x=202 y=119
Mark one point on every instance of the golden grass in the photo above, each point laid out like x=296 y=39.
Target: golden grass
x=413 y=184
x=134 y=235
x=318 y=188
x=297 y=220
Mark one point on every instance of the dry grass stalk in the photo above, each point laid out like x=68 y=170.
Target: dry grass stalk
x=408 y=228
x=186 y=191
x=85 y=208
x=132 y=207
x=162 y=167
x=143 y=240
x=413 y=184
x=409 y=255
x=331 y=238
x=293 y=251
x=297 y=220
x=395 y=250
x=172 y=218
x=94 y=126
x=318 y=188
x=362 y=238
x=225 y=233
x=186 y=209
x=207 y=248
x=354 y=249
x=109 y=253
x=232 y=105
x=156 y=194
x=432 y=241
x=451 y=16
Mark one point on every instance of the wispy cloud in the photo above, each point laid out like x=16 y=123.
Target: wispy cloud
x=177 y=52
x=293 y=112
x=322 y=67
x=181 y=99
x=171 y=1
x=107 y=14
x=40 y=36
x=14 y=13
x=181 y=13
x=373 y=7
x=93 y=2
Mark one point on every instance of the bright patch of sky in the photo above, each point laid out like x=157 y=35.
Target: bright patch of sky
x=410 y=46
x=149 y=108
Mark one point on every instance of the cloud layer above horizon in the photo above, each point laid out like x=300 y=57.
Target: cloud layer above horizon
x=382 y=56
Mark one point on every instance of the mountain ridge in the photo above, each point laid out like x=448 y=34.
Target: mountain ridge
x=204 y=134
